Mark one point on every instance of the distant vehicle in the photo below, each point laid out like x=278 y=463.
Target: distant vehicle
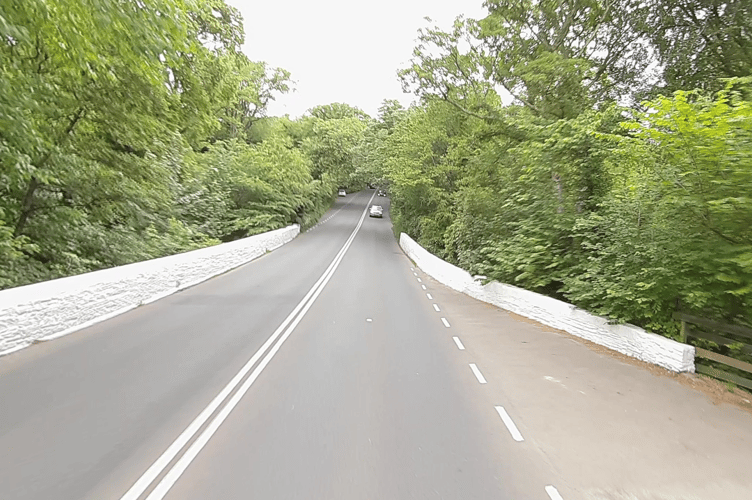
x=342 y=192
x=381 y=192
x=376 y=211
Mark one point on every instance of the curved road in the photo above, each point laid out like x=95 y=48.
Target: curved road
x=323 y=370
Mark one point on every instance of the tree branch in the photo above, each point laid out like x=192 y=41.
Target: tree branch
x=27 y=204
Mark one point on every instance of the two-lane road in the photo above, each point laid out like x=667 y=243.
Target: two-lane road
x=320 y=371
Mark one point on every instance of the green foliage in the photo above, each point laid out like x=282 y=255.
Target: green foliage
x=240 y=190
x=679 y=221
x=338 y=111
x=331 y=140
x=252 y=86
x=628 y=212
x=556 y=58
x=699 y=42
x=421 y=173
x=626 y=218
x=128 y=131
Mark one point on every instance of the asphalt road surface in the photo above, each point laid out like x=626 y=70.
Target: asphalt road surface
x=323 y=370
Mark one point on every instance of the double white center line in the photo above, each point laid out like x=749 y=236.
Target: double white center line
x=204 y=426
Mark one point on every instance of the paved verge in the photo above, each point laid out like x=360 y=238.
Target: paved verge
x=613 y=428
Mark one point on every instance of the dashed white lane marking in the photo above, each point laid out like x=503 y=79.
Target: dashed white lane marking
x=436 y=308
x=553 y=493
x=459 y=343
x=420 y=280
x=424 y=286
x=446 y=323
x=415 y=274
x=511 y=427
x=429 y=296
x=478 y=374
x=412 y=269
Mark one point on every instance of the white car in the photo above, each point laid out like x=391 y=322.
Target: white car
x=342 y=192
x=376 y=211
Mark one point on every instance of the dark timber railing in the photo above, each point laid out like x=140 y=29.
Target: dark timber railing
x=723 y=335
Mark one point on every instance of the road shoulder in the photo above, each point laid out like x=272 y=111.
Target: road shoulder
x=614 y=427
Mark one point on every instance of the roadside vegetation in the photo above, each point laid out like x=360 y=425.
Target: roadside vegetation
x=597 y=152
x=133 y=130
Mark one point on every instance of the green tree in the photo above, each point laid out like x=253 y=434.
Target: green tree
x=253 y=86
x=331 y=144
x=699 y=42
x=337 y=111
x=101 y=107
x=556 y=58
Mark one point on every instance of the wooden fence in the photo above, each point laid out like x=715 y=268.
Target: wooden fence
x=715 y=331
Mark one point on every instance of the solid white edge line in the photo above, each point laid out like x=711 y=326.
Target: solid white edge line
x=446 y=323
x=123 y=310
x=91 y=322
x=436 y=308
x=14 y=349
x=159 y=296
x=171 y=452
x=459 y=343
x=510 y=425
x=430 y=297
x=553 y=493
x=478 y=374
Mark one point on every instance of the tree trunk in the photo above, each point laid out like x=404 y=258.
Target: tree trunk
x=27 y=206
x=559 y=191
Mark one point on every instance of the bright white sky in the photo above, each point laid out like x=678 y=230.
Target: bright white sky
x=342 y=50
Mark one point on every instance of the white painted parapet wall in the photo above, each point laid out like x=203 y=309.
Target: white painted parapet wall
x=627 y=339
x=54 y=308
